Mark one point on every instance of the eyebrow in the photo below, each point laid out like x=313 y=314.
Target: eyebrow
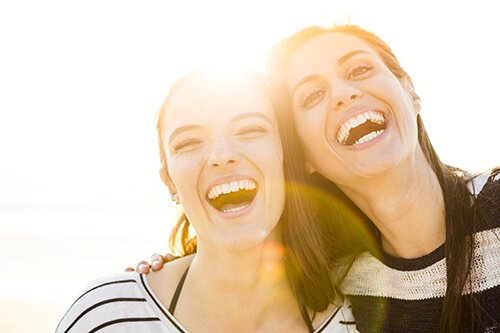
x=349 y=55
x=312 y=77
x=179 y=130
x=252 y=114
x=186 y=128
x=304 y=80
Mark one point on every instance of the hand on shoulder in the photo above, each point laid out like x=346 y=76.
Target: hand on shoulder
x=157 y=260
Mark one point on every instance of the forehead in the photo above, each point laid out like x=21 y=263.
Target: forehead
x=201 y=101
x=324 y=50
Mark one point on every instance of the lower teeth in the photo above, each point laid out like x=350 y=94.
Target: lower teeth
x=368 y=137
x=236 y=209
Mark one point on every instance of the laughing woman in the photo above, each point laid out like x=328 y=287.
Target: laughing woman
x=353 y=112
x=223 y=162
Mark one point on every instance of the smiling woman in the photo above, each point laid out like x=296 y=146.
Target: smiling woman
x=203 y=139
x=222 y=161
x=354 y=113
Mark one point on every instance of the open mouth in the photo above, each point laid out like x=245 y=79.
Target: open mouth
x=233 y=196
x=362 y=128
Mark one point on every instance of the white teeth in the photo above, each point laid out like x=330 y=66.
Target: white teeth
x=234 y=186
x=225 y=188
x=374 y=117
x=237 y=209
x=369 y=136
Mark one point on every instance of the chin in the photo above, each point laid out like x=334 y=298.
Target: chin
x=371 y=168
x=242 y=241
x=242 y=245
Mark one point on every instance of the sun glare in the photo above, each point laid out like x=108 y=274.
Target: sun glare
x=224 y=71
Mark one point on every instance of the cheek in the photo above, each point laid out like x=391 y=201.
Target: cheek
x=305 y=126
x=184 y=173
x=311 y=127
x=268 y=152
x=278 y=148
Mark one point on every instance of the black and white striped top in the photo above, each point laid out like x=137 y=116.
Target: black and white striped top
x=391 y=294
x=126 y=303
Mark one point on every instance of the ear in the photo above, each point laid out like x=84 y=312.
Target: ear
x=410 y=88
x=170 y=185
x=164 y=176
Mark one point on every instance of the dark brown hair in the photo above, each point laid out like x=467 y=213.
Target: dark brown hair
x=305 y=261
x=460 y=215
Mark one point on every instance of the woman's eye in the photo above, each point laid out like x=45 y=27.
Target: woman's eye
x=359 y=70
x=252 y=132
x=189 y=143
x=312 y=97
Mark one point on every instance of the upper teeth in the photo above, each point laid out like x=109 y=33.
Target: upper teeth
x=233 y=186
x=361 y=118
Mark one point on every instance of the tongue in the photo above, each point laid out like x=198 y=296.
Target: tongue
x=234 y=199
x=360 y=131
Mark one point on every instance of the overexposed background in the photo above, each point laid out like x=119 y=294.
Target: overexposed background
x=80 y=83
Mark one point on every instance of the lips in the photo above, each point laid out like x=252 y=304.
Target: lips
x=232 y=196
x=361 y=128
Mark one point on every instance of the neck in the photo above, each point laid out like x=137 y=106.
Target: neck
x=240 y=270
x=248 y=288
x=406 y=205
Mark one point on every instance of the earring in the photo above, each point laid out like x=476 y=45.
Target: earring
x=175 y=198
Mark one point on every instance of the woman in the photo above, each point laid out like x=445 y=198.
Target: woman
x=357 y=118
x=222 y=160
x=351 y=110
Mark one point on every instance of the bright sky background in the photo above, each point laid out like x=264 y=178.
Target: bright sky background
x=80 y=83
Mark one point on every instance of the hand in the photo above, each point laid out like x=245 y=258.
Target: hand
x=157 y=261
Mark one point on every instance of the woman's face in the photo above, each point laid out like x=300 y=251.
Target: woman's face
x=225 y=160
x=354 y=118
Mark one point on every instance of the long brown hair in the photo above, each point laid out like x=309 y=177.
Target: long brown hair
x=460 y=214
x=305 y=261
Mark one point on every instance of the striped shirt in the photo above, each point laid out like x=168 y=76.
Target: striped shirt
x=391 y=294
x=126 y=303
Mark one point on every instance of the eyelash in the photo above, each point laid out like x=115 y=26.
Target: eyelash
x=311 y=96
x=185 y=143
x=190 y=142
x=252 y=129
x=359 y=70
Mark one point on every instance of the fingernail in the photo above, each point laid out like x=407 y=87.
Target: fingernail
x=156 y=263
x=143 y=267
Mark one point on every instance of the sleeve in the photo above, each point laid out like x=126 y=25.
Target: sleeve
x=112 y=302
x=488 y=200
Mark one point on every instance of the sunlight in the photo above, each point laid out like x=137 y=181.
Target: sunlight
x=81 y=85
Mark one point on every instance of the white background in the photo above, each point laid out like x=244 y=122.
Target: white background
x=80 y=83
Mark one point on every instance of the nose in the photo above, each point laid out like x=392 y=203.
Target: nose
x=343 y=94
x=223 y=154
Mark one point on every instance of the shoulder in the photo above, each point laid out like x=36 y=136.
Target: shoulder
x=492 y=185
x=107 y=301
x=487 y=198
x=487 y=180
x=163 y=283
x=340 y=319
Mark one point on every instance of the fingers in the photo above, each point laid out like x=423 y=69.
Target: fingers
x=169 y=257
x=157 y=261
x=142 y=267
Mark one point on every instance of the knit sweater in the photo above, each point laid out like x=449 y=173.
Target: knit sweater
x=390 y=294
